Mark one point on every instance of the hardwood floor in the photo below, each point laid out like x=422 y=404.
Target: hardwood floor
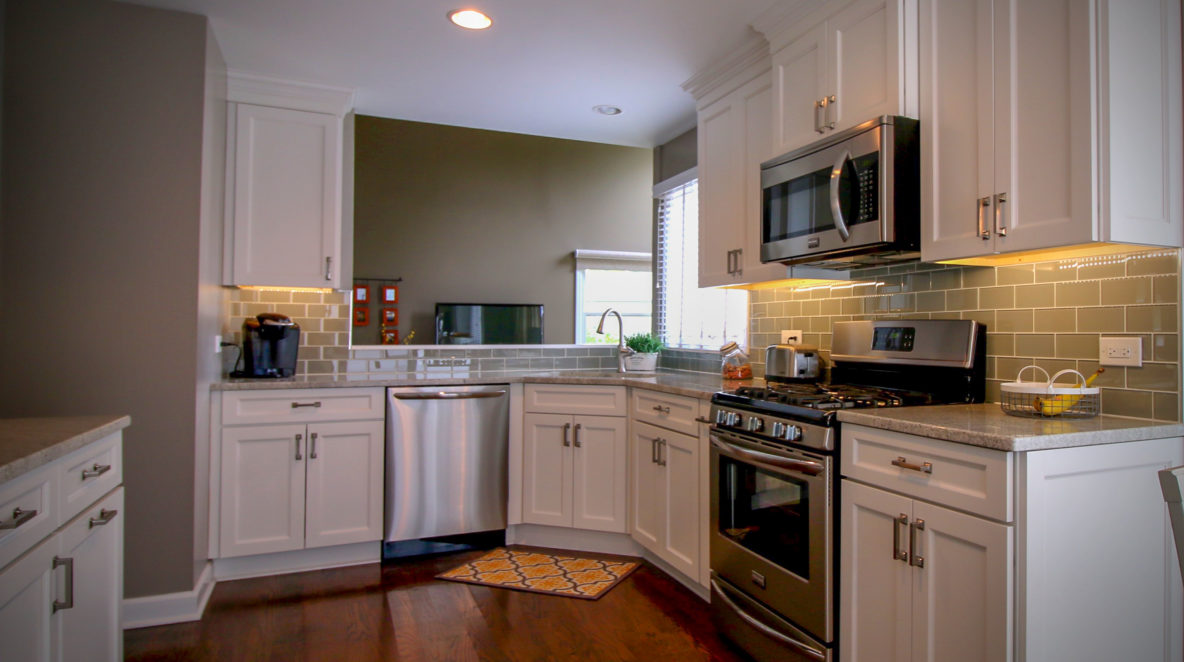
x=398 y=611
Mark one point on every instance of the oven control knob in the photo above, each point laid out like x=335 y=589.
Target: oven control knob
x=721 y=417
x=755 y=424
x=734 y=419
x=792 y=433
x=778 y=428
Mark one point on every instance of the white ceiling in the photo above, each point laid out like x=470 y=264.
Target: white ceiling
x=539 y=70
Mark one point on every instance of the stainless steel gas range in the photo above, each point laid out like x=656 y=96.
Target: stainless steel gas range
x=774 y=475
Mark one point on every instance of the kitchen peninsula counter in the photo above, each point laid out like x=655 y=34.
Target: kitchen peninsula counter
x=28 y=443
x=985 y=425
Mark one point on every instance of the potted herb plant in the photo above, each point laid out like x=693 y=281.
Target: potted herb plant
x=646 y=346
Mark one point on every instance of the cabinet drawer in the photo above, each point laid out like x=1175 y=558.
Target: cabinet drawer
x=301 y=405
x=976 y=480
x=34 y=492
x=88 y=473
x=575 y=399
x=673 y=412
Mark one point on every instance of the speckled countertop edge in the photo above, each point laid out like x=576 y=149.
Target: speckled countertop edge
x=29 y=443
x=986 y=426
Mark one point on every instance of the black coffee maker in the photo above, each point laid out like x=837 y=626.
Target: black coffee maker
x=270 y=341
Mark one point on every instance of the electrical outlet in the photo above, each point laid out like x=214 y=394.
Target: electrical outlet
x=791 y=337
x=1120 y=350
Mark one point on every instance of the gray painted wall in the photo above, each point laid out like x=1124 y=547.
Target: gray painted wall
x=475 y=216
x=102 y=196
x=677 y=155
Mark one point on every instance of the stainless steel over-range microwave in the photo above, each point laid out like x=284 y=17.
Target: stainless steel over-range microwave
x=848 y=201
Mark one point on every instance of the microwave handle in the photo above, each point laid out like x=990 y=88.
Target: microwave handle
x=835 y=210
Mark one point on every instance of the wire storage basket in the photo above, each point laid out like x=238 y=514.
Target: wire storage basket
x=1041 y=399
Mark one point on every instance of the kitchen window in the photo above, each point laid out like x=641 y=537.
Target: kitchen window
x=690 y=317
x=619 y=280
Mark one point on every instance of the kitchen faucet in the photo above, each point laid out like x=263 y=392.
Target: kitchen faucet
x=622 y=350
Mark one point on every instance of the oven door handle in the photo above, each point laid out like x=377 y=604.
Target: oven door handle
x=764 y=629
x=767 y=460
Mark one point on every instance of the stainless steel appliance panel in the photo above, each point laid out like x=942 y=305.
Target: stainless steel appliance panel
x=446 y=455
x=759 y=631
x=942 y=343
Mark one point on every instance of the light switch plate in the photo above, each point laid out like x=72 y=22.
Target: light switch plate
x=1120 y=350
x=791 y=337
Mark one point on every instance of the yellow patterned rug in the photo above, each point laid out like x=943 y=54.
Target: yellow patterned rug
x=543 y=572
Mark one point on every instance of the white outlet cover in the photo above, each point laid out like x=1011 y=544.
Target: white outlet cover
x=1120 y=351
x=791 y=337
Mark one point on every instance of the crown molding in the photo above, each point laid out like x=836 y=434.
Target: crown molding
x=752 y=53
x=243 y=87
x=782 y=22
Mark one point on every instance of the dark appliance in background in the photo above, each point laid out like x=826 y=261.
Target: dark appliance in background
x=851 y=200
x=270 y=343
x=489 y=324
x=775 y=475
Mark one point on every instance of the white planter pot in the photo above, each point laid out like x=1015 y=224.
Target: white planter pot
x=647 y=362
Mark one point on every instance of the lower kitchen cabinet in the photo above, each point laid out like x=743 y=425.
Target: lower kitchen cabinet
x=922 y=582
x=574 y=470
x=665 y=496
x=297 y=486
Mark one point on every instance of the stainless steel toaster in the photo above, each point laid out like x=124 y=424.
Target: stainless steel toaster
x=792 y=362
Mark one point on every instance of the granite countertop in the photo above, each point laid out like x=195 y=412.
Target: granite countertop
x=691 y=384
x=986 y=426
x=28 y=443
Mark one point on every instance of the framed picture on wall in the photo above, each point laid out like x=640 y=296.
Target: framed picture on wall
x=390 y=294
x=390 y=316
x=361 y=316
x=361 y=294
x=390 y=336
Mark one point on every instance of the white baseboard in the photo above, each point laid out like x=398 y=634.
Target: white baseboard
x=181 y=607
x=263 y=565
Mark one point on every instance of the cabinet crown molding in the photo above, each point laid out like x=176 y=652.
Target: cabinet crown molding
x=752 y=54
x=782 y=22
x=243 y=87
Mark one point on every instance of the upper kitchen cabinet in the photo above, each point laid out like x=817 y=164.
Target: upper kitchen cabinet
x=289 y=188
x=1049 y=125
x=834 y=68
x=734 y=104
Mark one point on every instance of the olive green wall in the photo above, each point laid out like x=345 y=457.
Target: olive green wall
x=475 y=216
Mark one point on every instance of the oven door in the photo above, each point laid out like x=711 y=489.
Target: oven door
x=829 y=199
x=772 y=527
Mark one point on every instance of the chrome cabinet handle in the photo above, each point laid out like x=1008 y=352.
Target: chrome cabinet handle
x=68 y=603
x=924 y=467
x=104 y=518
x=739 y=262
x=298 y=455
x=819 y=104
x=19 y=517
x=312 y=446
x=700 y=419
x=298 y=405
x=899 y=554
x=915 y=558
x=95 y=471
x=984 y=232
x=661 y=410
x=328 y=268
x=567 y=434
x=576 y=435
x=661 y=452
x=836 y=211
x=1000 y=226
x=830 y=103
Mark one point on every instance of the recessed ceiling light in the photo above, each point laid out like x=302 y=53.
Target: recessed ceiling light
x=470 y=19
x=607 y=110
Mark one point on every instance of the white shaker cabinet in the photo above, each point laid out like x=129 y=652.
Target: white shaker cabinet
x=288 y=186
x=665 y=497
x=842 y=68
x=1049 y=124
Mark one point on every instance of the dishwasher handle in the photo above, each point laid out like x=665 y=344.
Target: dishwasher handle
x=449 y=395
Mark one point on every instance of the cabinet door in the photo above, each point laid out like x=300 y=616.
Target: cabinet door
x=287 y=192
x=865 y=64
x=758 y=148
x=546 y=469
x=92 y=628
x=799 y=83
x=721 y=189
x=599 y=477
x=647 y=491
x=26 y=605
x=262 y=497
x=343 y=502
x=875 y=601
x=680 y=463
x=962 y=602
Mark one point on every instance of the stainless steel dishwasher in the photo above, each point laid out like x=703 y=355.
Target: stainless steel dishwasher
x=446 y=451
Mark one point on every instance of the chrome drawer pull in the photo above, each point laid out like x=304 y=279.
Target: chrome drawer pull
x=312 y=446
x=899 y=554
x=915 y=558
x=95 y=471
x=700 y=419
x=576 y=435
x=68 y=603
x=299 y=457
x=104 y=518
x=19 y=517
x=297 y=405
x=925 y=468
x=567 y=434
x=661 y=410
